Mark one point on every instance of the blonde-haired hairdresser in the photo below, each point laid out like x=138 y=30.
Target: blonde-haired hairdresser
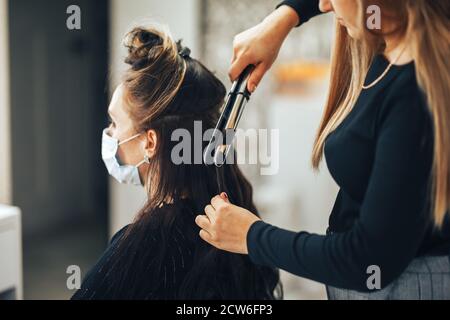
x=386 y=138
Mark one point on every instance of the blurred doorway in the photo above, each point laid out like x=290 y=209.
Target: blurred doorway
x=58 y=110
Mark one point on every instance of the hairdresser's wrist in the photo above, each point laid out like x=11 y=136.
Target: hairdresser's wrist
x=283 y=19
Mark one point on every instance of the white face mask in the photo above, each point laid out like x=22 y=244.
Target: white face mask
x=128 y=174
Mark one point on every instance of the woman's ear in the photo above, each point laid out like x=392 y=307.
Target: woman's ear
x=151 y=143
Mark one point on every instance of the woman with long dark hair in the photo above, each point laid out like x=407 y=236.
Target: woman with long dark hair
x=160 y=255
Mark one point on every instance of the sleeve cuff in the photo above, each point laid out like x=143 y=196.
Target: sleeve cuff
x=252 y=240
x=306 y=9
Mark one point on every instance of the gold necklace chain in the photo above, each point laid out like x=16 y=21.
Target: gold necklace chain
x=385 y=72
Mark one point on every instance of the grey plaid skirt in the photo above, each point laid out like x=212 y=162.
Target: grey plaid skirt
x=426 y=278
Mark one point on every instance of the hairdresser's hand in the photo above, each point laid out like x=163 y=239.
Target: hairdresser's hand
x=261 y=44
x=225 y=226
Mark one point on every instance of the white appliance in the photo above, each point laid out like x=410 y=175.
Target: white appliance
x=10 y=254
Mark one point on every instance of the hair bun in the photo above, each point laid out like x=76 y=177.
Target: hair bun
x=144 y=46
x=148 y=39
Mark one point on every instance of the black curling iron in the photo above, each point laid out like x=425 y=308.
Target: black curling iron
x=219 y=146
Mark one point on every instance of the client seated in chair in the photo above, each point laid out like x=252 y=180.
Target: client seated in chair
x=160 y=255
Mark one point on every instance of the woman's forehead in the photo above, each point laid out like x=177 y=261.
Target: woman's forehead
x=116 y=107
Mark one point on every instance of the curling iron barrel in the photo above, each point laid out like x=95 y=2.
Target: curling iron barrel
x=223 y=135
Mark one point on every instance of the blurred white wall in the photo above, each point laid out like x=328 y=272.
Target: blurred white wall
x=182 y=18
x=5 y=135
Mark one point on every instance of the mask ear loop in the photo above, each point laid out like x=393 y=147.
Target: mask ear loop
x=129 y=139
x=146 y=160
x=146 y=157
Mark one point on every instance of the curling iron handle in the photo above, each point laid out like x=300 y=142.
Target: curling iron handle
x=236 y=112
x=229 y=119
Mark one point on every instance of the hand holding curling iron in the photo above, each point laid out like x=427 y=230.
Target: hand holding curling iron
x=260 y=45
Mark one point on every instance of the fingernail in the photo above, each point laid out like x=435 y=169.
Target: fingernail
x=224 y=195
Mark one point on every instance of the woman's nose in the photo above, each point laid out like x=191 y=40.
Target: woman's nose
x=325 y=6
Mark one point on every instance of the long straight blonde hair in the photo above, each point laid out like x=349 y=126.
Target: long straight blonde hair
x=426 y=25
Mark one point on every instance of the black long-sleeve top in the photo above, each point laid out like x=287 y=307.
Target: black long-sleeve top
x=381 y=158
